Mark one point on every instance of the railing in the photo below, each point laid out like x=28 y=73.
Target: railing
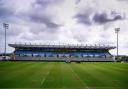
x=61 y=59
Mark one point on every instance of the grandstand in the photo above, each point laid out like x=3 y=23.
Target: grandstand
x=61 y=52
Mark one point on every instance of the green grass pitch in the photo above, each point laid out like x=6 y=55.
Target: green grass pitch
x=60 y=75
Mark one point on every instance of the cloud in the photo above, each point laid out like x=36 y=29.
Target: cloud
x=44 y=19
x=90 y=17
x=66 y=21
x=46 y=3
x=123 y=0
x=5 y=12
x=84 y=18
x=77 y=1
x=103 y=18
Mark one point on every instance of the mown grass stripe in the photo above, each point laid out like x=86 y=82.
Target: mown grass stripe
x=76 y=75
x=69 y=78
x=48 y=68
x=113 y=76
x=86 y=74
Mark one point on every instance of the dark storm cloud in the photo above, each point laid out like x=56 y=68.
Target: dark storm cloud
x=93 y=17
x=44 y=20
x=4 y=12
x=34 y=15
x=77 y=1
x=102 y=18
x=45 y=3
x=40 y=14
x=83 y=18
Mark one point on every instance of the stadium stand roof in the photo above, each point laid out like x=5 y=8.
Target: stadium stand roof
x=62 y=46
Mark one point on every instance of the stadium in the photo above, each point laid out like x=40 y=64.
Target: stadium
x=45 y=44
x=62 y=52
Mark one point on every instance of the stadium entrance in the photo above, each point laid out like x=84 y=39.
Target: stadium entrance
x=61 y=52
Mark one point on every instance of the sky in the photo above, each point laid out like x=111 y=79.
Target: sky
x=65 y=22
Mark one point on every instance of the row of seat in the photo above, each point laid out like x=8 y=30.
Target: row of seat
x=61 y=53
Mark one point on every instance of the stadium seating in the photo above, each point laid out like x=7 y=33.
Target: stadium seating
x=43 y=53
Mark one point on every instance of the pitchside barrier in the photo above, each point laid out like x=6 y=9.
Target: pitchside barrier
x=17 y=58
